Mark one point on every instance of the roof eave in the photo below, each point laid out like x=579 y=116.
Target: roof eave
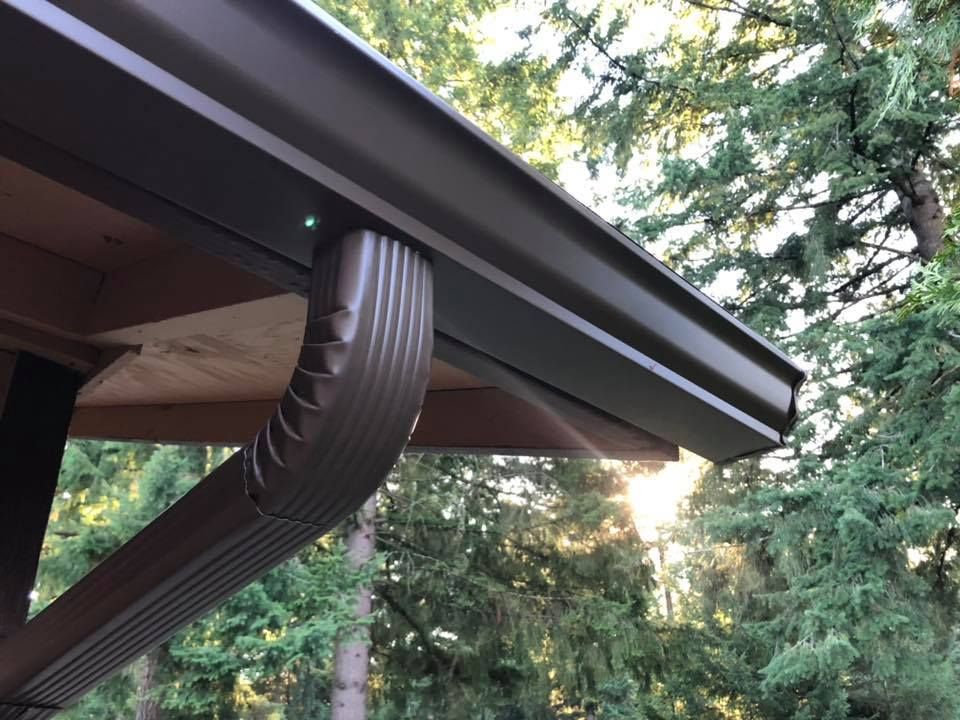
x=281 y=113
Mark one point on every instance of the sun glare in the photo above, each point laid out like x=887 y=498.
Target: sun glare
x=656 y=497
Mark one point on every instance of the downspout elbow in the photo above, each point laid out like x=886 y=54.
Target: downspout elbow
x=358 y=385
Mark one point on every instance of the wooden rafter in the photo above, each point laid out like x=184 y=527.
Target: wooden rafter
x=484 y=420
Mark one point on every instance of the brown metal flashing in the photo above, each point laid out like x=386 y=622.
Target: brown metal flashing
x=600 y=432
x=489 y=421
x=344 y=420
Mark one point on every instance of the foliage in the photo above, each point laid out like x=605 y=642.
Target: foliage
x=936 y=286
x=439 y=43
x=513 y=588
x=509 y=588
x=264 y=645
x=923 y=35
x=798 y=158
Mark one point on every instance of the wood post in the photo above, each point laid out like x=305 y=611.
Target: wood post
x=36 y=402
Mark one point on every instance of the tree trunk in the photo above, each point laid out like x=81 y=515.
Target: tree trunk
x=148 y=706
x=352 y=657
x=667 y=596
x=922 y=209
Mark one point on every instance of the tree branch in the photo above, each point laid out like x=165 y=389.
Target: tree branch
x=738 y=9
x=903 y=253
x=617 y=62
x=439 y=657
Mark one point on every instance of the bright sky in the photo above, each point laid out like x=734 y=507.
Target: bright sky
x=500 y=40
x=656 y=497
x=655 y=500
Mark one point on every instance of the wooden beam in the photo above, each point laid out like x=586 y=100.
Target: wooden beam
x=480 y=420
x=226 y=423
x=33 y=430
x=43 y=290
x=177 y=284
x=61 y=350
x=110 y=361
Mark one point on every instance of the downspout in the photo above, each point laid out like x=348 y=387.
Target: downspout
x=345 y=418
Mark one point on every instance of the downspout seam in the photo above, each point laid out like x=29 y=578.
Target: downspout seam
x=270 y=516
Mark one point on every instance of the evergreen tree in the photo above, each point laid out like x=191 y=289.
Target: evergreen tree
x=800 y=159
x=513 y=589
x=513 y=98
x=509 y=589
x=270 y=645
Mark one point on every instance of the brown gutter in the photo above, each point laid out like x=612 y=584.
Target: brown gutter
x=345 y=418
x=308 y=120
